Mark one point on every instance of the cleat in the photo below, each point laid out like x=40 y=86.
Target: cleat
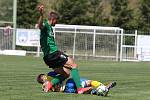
x=47 y=86
x=109 y=86
x=101 y=90
x=84 y=90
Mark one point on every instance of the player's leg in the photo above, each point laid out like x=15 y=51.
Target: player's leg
x=63 y=71
x=109 y=86
x=56 y=61
x=64 y=74
x=103 y=90
x=99 y=88
x=49 y=80
x=75 y=75
x=66 y=71
x=59 y=59
x=96 y=84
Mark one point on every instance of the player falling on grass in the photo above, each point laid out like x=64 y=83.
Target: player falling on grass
x=52 y=56
x=68 y=86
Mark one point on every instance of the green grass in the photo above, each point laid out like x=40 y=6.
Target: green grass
x=18 y=79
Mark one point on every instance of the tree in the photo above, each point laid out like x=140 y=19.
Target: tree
x=95 y=10
x=82 y=12
x=27 y=13
x=145 y=18
x=6 y=10
x=122 y=15
x=72 y=11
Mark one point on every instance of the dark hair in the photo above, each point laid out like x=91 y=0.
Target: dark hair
x=53 y=15
x=39 y=79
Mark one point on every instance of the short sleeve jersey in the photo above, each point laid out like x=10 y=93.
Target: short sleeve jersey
x=47 y=41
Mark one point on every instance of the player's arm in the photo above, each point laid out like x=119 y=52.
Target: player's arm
x=40 y=19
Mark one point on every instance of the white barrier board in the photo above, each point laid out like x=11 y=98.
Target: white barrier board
x=143 y=47
x=13 y=52
x=28 y=37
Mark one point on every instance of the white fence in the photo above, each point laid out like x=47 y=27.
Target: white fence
x=128 y=49
x=85 y=42
x=6 y=38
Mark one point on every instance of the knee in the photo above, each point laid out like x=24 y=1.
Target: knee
x=70 y=63
x=66 y=76
x=74 y=65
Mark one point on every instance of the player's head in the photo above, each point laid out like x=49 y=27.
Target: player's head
x=41 y=78
x=53 y=18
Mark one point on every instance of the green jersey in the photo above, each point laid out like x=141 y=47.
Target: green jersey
x=47 y=40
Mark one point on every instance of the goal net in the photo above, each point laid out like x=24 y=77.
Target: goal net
x=89 y=42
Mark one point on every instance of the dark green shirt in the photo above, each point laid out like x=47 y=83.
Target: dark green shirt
x=47 y=41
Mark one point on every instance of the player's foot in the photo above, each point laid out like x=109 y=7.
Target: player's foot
x=47 y=86
x=83 y=90
x=109 y=86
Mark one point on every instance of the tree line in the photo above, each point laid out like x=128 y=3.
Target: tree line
x=87 y=12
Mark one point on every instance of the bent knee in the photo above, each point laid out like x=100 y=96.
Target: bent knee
x=70 y=66
x=66 y=75
x=74 y=65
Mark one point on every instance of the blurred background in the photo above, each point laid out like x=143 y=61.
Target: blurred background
x=132 y=16
x=127 y=14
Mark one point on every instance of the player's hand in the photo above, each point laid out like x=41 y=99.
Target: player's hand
x=47 y=86
x=41 y=8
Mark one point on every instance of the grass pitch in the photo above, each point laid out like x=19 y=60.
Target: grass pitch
x=18 y=79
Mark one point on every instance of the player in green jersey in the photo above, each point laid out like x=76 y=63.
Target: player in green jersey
x=52 y=56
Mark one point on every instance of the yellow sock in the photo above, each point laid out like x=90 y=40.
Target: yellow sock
x=95 y=84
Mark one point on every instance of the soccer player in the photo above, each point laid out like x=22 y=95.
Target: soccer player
x=53 y=57
x=68 y=86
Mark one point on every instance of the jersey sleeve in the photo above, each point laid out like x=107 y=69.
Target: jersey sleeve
x=45 y=25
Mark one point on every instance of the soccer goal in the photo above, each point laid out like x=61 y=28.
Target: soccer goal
x=128 y=46
x=89 y=42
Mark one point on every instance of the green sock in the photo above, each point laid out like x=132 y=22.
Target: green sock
x=76 y=77
x=57 y=79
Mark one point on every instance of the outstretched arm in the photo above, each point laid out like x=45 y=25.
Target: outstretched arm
x=40 y=20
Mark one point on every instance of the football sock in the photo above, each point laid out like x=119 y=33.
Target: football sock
x=76 y=77
x=95 y=84
x=57 y=79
